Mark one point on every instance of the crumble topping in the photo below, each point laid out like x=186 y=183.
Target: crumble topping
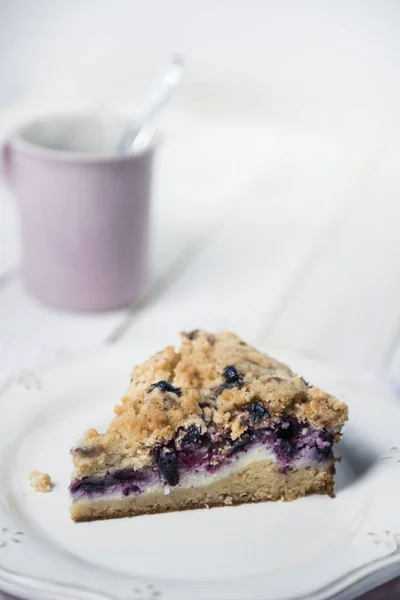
x=214 y=382
x=41 y=482
x=91 y=433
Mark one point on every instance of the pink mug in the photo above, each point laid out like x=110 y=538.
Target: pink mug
x=84 y=210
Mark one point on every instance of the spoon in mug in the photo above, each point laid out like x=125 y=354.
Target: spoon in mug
x=170 y=81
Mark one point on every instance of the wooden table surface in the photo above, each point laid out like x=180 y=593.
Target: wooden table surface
x=288 y=236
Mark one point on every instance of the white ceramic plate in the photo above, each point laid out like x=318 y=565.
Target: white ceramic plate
x=313 y=548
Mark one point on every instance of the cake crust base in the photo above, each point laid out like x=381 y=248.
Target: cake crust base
x=259 y=481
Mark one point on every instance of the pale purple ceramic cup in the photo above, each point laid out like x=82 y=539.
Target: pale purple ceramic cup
x=84 y=211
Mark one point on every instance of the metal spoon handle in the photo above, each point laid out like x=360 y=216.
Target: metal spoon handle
x=170 y=81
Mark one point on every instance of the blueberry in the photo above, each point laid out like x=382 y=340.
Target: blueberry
x=287 y=448
x=90 y=451
x=169 y=466
x=258 y=412
x=130 y=489
x=288 y=429
x=191 y=335
x=232 y=377
x=76 y=485
x=124 y=475
x=240 y=443
x=165 y=386
x=192 y=436
x=95 y=484
x=88 y=485
x=324 y=445
x=324 y=453
x=306 y=382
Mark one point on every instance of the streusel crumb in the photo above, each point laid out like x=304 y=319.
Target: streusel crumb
x=41 y=482
x=212 y=381
x=91 y=433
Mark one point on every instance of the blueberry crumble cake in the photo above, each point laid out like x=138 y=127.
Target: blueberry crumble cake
x=212 y=424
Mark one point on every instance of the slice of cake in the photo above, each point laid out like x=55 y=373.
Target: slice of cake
x=212 y=424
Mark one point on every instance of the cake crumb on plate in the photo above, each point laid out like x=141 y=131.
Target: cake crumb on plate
x=41 y=482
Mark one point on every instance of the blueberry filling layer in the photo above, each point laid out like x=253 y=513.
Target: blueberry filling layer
x=288 y=441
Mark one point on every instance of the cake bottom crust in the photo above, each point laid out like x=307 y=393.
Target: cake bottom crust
x=259 y=481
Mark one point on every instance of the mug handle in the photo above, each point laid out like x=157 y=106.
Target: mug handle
x=5 y=162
